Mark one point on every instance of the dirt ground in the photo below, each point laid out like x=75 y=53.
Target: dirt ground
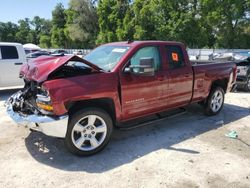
x=190 y=150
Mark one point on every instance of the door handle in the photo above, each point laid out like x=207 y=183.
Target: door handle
x=18 y=63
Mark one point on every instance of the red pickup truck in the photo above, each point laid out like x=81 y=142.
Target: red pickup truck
x=82 y=100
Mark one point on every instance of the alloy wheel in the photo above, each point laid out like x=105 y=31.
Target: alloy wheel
x=89 y=133
x=217 y=101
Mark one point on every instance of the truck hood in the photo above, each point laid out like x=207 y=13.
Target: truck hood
x=40 y=68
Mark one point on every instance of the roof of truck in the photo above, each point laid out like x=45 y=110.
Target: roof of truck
x=135 y=43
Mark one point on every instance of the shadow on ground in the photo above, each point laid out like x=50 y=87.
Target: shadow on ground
x=127 y=146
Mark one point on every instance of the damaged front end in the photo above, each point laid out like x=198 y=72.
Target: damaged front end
x=31 y=107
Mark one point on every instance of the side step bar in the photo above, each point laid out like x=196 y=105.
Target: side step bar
x=159 y=117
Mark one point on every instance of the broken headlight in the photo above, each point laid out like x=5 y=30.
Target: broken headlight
x=43 y=101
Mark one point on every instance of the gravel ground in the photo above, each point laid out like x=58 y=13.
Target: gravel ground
x=190 y=150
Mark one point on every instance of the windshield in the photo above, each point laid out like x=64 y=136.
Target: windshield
x=106 y=57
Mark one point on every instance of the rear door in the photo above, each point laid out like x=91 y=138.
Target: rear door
x=142 y=95
x=178 y=91
x=10 y=65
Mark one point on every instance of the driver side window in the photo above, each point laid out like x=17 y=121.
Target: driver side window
x=147 y=52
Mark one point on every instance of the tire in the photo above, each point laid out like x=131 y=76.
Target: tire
x=89 y=131
x=247 y=86
x=215 y=101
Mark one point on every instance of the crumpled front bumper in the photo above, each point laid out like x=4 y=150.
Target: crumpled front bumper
x=55 y=126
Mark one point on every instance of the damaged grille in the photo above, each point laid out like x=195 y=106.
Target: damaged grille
x=25 y=100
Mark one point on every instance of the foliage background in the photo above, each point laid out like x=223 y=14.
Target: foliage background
x=87 y=23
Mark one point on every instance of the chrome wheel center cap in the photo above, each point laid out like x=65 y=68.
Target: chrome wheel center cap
x=90 y=130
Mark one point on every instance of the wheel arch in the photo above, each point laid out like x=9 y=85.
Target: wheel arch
x=106 y=104
x=223 y=83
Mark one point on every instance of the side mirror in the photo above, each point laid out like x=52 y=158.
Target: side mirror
x=145 y=67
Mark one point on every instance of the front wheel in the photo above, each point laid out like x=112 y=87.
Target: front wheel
x=215 y=101
x=89 y=131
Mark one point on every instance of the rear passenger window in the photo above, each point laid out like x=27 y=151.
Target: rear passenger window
x=9 y=52
x=175 y=56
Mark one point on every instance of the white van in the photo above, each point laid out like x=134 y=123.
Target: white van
x=12 y=57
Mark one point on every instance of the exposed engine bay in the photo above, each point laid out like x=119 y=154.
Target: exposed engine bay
x=32 y=99
x=71 y=69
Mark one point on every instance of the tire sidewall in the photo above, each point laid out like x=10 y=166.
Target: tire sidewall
x=208 y=109
x=79 y=115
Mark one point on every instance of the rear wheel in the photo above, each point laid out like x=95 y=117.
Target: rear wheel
x=215 y=101
x=89 y=131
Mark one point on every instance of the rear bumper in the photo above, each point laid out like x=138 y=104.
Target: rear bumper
x=55 y=126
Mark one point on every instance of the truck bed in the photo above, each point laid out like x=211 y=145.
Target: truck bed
x=203 y=62
x=206 y=72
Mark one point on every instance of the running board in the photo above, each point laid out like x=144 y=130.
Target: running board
x=161 y=116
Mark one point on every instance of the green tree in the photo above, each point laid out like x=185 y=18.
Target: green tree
x=184 y=22
x=127 y=29
x=111 y=15
x=41 y=27
x=82 y=23
x=8 y=32
x=59 y=16
x=58 y=37
x=198 y=23
x=163 y=20
x=145 y=23
x=23 y=35
x=44 y=41
x=228 y=20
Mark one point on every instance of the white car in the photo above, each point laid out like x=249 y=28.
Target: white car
x=12 y=57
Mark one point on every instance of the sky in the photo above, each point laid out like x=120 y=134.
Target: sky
x=14 y=10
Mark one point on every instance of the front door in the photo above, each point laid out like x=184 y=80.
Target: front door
x=141 y=94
